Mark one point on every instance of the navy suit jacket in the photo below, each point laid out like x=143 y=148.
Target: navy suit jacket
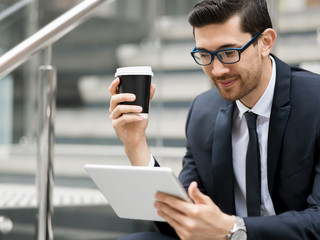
x=293 y=155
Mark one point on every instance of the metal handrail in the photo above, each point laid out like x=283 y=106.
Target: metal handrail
x=48 y=35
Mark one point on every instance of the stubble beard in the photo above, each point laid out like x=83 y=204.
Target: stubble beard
x=244 y=85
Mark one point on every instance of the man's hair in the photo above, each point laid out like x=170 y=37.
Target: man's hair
x=254 y=14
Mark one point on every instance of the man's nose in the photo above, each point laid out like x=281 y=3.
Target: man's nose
x=219 y=68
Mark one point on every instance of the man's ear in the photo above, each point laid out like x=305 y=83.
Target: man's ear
x=267 y=39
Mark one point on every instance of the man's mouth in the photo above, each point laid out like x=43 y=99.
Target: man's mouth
x=227 y=83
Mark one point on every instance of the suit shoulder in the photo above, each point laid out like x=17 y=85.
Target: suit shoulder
x=303 y=74
x=305 y=82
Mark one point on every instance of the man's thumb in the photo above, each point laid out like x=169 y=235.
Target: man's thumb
x=197 y=196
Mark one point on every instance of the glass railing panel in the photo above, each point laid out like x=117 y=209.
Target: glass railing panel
x=17 y=160
x=17 y=152
x=13 y=18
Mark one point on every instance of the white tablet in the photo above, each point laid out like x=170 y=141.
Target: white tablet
x=131 y=190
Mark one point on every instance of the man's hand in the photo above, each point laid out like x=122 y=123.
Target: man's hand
x=201 y=220
x=130 y=128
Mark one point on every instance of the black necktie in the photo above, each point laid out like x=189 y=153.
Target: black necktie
x=253 y=166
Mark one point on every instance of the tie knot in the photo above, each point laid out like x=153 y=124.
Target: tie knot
x=251 y=119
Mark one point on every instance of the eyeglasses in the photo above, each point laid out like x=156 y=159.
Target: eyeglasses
x=226 y=56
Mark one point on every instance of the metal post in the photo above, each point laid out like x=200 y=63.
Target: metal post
x=45 y=181
x=274 y=14
x=31 y=72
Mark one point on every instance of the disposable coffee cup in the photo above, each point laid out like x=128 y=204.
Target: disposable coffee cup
x=136 y=80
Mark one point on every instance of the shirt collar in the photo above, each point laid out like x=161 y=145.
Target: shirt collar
x=263 y=106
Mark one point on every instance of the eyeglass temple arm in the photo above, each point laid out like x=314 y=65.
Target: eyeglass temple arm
x=250 y=42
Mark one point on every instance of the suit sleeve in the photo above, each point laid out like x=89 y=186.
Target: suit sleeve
x=189 y=171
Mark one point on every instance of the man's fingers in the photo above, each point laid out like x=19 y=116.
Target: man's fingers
x=119 y=98
x=174 y=202
x=152 y=90
x=113 y=88
x=181 y=223
x=178 y=227
x=127 y=111
x=171 y=215
x=127 y=119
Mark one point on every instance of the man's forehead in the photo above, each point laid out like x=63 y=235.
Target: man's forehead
x=215 y=36
x=217 y=41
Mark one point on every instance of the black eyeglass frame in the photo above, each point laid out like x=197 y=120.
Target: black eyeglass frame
x=216 y=53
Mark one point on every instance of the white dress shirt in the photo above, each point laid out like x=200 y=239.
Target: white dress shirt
x=240 y=138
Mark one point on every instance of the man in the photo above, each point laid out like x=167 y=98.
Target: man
x=234 y=39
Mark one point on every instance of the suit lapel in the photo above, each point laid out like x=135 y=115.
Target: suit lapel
x=278 y=120
x=222 y=160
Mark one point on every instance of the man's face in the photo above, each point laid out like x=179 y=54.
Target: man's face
x=238 y=81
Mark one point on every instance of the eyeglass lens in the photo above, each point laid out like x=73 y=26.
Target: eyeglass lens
x=227 y=56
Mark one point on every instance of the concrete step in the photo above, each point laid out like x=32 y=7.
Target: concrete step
x=17 y=196
x=95 y=123
x=170 y=86
x=71 y=223
x=19 y=164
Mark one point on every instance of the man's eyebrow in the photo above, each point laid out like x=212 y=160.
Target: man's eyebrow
x=220 y=48
x=227 y=46
x=202 y=49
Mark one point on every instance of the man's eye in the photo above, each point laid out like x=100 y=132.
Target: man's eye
x=230 y=53
x=204 y=55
